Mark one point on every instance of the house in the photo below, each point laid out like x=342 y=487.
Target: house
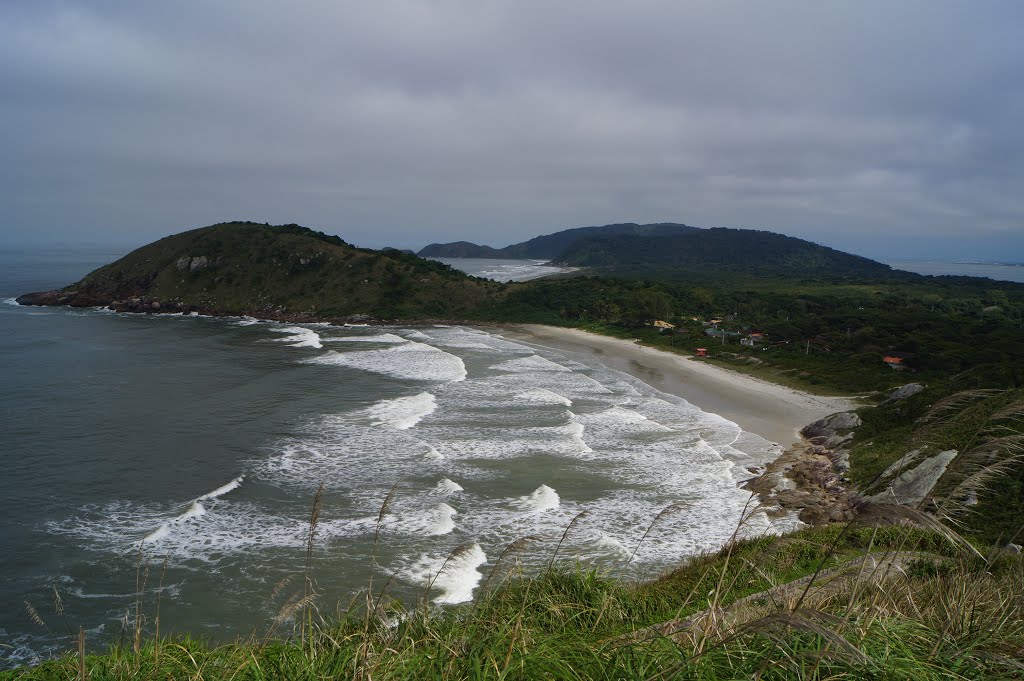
x=755 y=340
x=661 y=326
x=895 y=363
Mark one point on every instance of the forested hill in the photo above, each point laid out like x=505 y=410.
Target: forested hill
x=735 y=250
x=550 y=246
x=284 y=271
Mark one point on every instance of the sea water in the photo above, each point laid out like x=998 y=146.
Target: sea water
x=172 y=461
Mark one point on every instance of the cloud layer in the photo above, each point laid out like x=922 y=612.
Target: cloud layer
x=399 y=122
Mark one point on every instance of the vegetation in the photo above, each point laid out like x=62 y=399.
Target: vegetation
x=550 y=246
x=821 y=335
x=705 y=250
x=249 y=268
x=835 y=602
x=879 y=600
x=828 y=326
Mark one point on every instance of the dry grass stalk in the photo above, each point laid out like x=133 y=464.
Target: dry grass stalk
x=81 y=654
x=308 y=588
x=896 y=513
x=572 y=523
x=955 y=403
x=33 y=615
x=458 y=552
x=511 y=548
x=674 y=507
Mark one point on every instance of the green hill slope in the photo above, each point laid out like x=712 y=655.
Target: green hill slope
x=737 y=250
x=549 y=246
x=275 y=271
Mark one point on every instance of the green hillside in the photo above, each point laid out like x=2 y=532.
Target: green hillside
x=548 y=246
x=732 y=250
x=275 y=271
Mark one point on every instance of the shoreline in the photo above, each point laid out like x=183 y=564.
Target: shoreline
x=774 y=412
x=770 y=410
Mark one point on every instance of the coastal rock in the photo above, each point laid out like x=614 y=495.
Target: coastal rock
x=911 y=487
x=805 y=480
x=39 y=298
x=192 y=263
x=904 y=391
x=72 y=298
x=832 y=432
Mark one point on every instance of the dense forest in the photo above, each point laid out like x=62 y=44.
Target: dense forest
x=552 y=246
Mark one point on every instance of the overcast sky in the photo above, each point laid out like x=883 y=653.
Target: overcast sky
x=882 y=128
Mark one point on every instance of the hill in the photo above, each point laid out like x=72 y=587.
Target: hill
x=736 y=250
x=276 y=272
x=548 y=246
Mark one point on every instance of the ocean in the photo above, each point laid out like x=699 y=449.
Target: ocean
x=168 y=464
x=991 y=270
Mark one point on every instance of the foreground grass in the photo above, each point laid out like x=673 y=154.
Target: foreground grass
x=942 y=612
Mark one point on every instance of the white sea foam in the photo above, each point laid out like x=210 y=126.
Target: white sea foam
x=194 y=510
x=626 y=419
x=300 y=337
x=543 y=396
x=433 y=522
x=611 y=545
x=531 y=363
x=451 y=578
x=417 y=335
x=446 y=487
x=401 y=412
x=631 y=461
x=377 y=338
x=410 y=361
x=223 y=489
x=246 y=321
x=539 y=500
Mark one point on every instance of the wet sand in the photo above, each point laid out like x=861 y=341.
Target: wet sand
x=774 y=412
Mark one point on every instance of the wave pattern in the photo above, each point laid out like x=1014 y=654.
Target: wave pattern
x=487 y=440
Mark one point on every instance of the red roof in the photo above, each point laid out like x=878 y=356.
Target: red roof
x=893 y=360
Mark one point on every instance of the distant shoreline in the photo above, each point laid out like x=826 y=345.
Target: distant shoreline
x=775 y=412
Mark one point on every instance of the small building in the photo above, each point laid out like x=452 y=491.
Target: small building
x=894 y=363
x=661 y=325
x=755 y=340
x=702 y=352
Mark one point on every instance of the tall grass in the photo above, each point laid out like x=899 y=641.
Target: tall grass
x=887 y=601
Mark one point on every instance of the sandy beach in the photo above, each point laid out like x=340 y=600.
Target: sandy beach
x=774 y=412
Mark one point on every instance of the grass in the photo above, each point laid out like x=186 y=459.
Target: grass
x=877 y=602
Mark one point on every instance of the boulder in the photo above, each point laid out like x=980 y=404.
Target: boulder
x=912 y=486
x=830 y=426
x=904 y=391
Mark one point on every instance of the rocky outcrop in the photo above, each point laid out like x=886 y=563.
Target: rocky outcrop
x=809 y=478
x=149 y=305
x=903 y=392
x=192 y=264
x=68 y=297
x=834 y=434
x=805 y=481
x=913 y=486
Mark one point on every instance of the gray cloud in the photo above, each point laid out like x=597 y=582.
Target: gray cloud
x=399 y=122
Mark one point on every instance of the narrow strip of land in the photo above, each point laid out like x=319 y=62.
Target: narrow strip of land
x=775 y=412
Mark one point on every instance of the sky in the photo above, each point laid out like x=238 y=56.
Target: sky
x=888 y=129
